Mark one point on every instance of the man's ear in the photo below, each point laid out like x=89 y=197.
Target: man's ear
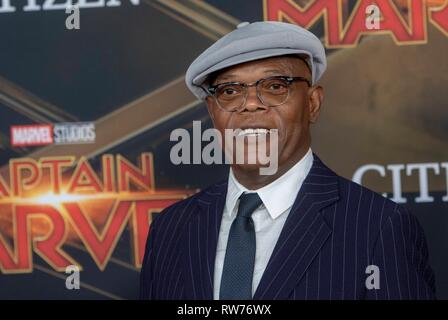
x=315 y=103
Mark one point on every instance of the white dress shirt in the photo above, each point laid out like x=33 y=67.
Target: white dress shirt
x=269 y=218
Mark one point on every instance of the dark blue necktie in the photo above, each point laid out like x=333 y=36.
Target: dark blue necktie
x=238 y=269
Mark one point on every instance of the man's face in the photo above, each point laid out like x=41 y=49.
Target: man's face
x=292 y=119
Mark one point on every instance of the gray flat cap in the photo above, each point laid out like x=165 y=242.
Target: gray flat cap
x=253 y=41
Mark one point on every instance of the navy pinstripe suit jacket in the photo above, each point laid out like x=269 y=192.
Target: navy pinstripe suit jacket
x=335 y=229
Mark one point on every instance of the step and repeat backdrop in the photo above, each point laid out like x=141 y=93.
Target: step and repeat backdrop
x=90 y=91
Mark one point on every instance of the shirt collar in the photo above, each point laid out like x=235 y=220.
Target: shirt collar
x=279 y=195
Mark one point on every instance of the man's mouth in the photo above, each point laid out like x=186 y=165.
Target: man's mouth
x=253 y=132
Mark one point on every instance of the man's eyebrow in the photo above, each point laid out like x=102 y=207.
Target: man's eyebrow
x=230 y=76
x=276 y=71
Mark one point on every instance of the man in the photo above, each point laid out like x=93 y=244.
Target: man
x=300 y=233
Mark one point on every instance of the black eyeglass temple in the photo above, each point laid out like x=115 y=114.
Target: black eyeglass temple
x=299 y=79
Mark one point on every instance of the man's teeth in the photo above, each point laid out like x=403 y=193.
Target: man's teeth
x=253 y=132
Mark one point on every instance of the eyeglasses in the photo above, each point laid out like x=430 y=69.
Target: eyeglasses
x=272 y=92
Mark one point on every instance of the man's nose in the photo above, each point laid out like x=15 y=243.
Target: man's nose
x=253 y=102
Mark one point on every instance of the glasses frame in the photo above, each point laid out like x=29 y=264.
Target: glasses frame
x=212 y=90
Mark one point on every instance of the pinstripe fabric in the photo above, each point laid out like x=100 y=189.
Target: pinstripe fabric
x=335 y=229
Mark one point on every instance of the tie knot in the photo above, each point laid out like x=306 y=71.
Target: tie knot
x=248 y=203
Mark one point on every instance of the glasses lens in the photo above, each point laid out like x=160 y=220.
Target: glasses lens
x=230 y=96
x=273 y=92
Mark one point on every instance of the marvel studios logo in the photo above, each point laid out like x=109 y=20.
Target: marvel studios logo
x=59 y=133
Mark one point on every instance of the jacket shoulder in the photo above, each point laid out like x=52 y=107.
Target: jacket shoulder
x=368 y=205
x=181 y=210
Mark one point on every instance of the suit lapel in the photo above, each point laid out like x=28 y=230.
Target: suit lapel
x=302 y=237
x=201 y=242
x=303 y=234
